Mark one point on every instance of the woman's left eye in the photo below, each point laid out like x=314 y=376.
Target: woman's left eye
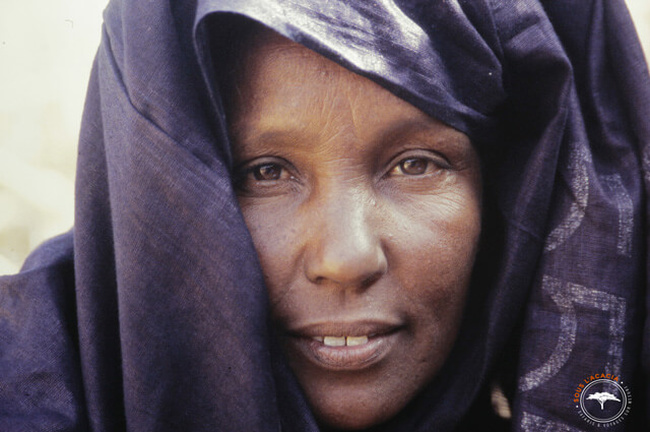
x=415 y=166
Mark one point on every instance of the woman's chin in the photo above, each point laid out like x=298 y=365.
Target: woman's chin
x=354 y=412
x=351 y=419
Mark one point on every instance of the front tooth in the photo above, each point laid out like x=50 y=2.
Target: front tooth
x=318 y=338
x=356 y=340
x=334 y=341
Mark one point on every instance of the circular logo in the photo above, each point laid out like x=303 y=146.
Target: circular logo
x=603 y=401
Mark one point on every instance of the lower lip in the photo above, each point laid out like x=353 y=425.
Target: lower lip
x=347 y=358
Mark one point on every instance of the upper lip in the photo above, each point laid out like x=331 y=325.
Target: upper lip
x=344 y=328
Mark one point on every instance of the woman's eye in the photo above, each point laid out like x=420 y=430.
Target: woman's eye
x=267 y=172
x=419 y=163
x=264 y=177
x=414 y=166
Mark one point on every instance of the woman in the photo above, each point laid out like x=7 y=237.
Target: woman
x=206 y=251
x=365 y=213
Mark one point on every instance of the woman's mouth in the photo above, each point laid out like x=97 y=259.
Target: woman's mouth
x=345 y=352
x=335 y=341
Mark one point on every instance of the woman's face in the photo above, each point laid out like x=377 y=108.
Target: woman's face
x=365 y=213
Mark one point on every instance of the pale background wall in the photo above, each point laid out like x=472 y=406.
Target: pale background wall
x=46 y=51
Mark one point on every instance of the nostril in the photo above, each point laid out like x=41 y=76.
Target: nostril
x=343 y=282
x=370 y=280
x=357 y=269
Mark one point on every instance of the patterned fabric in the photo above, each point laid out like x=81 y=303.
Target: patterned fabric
x=152 y=313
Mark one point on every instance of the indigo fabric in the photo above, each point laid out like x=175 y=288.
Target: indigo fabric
x=151 y=314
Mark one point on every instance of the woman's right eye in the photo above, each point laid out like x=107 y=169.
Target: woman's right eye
x=267 y=172
x=263 y=178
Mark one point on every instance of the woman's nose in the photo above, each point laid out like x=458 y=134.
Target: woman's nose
x=345 y=249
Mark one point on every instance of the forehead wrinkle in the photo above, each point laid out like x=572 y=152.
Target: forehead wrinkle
x=269 y=141
x=335 y=108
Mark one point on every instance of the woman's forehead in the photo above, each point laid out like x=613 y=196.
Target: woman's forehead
x=276 y=74
x=269 y=57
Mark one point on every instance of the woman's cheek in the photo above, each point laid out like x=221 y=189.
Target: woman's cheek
x=275 y=241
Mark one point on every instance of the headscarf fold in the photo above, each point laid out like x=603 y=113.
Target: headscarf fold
x=152 y=314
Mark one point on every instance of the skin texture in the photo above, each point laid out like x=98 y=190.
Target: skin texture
x=365 y=213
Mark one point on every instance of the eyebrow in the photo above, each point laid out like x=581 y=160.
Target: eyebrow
x=427 y=126
x=269 y=140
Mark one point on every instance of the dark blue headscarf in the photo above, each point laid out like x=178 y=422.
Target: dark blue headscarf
x=152 y=314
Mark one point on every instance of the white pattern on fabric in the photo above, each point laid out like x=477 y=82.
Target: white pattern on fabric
x=533 y=423
x=565 y=296
x=579 y=188
x=625 y=214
